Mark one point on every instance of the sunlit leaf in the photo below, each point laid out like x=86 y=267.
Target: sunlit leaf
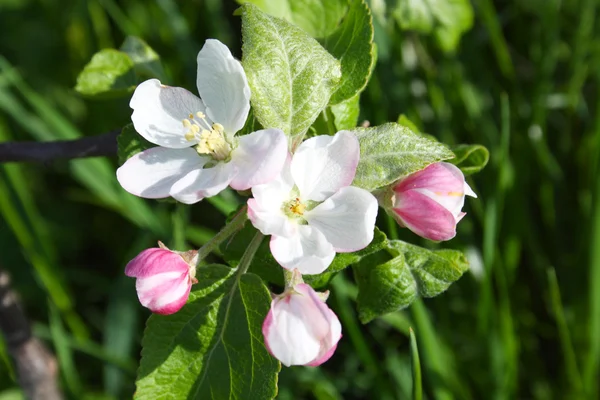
x=290 y=74
x=409 y=271
x=110 y=73
x=391 y=151
x=352 y=44
x=213 y=347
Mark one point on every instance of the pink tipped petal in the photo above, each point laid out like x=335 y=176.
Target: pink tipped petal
x=223 y=86
x=324 y=357
x=259 y=157
x=452 y=201
x=164 y=293
x=288 y=334
x=300 y=329
x=159 y=111
x=441 y=178
x=153 y=172
x=201 y=183
x=324 y=164
x=308 y=251
x=270 y=221
x=163 y=279
x=425 y=217
x=155 y=261
x=347 y=219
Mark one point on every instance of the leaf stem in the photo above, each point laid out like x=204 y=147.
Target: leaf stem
x=236 y=223
x=249 y=253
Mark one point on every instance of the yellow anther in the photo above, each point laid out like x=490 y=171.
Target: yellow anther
x=190 y=135
x=187 y=124
x=191 y=116
x=200 y=115
x=297 y=207
x=218 y=127
x=195 y=128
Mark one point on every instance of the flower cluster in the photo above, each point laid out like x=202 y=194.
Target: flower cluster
x=303 y=199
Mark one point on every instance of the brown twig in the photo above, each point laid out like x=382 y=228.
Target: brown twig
x=36 y=367
x=93 y=146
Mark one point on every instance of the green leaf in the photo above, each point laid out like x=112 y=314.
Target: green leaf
x=345 y=114
x=263 y=264
x=470 y=158
x=109 y=74
x=146 y=60
x=352 y=44
x=410 y=271
x=447 y=20
x=318 y=18
x=290 y=74
x=344 y=260
x=390 y=151
x=213 y=347
x=129 y=143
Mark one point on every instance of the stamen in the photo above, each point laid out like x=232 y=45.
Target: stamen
x=297 y=207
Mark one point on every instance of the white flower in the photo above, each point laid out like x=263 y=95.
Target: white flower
x=310 y=210
x=300 y=329
x=198 y=155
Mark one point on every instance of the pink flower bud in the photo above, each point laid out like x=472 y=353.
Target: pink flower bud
x=429 y=202
x=164 y=278
x=300 y=329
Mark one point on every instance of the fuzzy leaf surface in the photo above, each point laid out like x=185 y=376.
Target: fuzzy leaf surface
x=391 y=151
x=290 y=74
x=318 y=18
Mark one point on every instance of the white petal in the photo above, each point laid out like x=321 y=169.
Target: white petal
x=469 y=191
x=259 y=158
x=151 y=173
x=265 y=209
x=270 y=221
x=201 y=183
x=159 y=111
x=308 y=251
x=347 y=219
x=272 y=195
x=324 y=164
x=288 y=335
x=223 y=86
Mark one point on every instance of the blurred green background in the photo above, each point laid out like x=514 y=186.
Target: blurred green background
x=523 y=80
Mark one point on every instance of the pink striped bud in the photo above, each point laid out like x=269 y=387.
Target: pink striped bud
x=429 y=202
x=164 y=278
x=300 y=329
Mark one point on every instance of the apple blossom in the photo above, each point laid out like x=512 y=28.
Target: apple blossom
x=164 y=278
x=310 y=210
x=429 y=202
x=300 y=329
x=198 y=154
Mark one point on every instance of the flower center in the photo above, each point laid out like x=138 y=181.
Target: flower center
x=212 y=140
x=294 y=209
x=297 y=207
